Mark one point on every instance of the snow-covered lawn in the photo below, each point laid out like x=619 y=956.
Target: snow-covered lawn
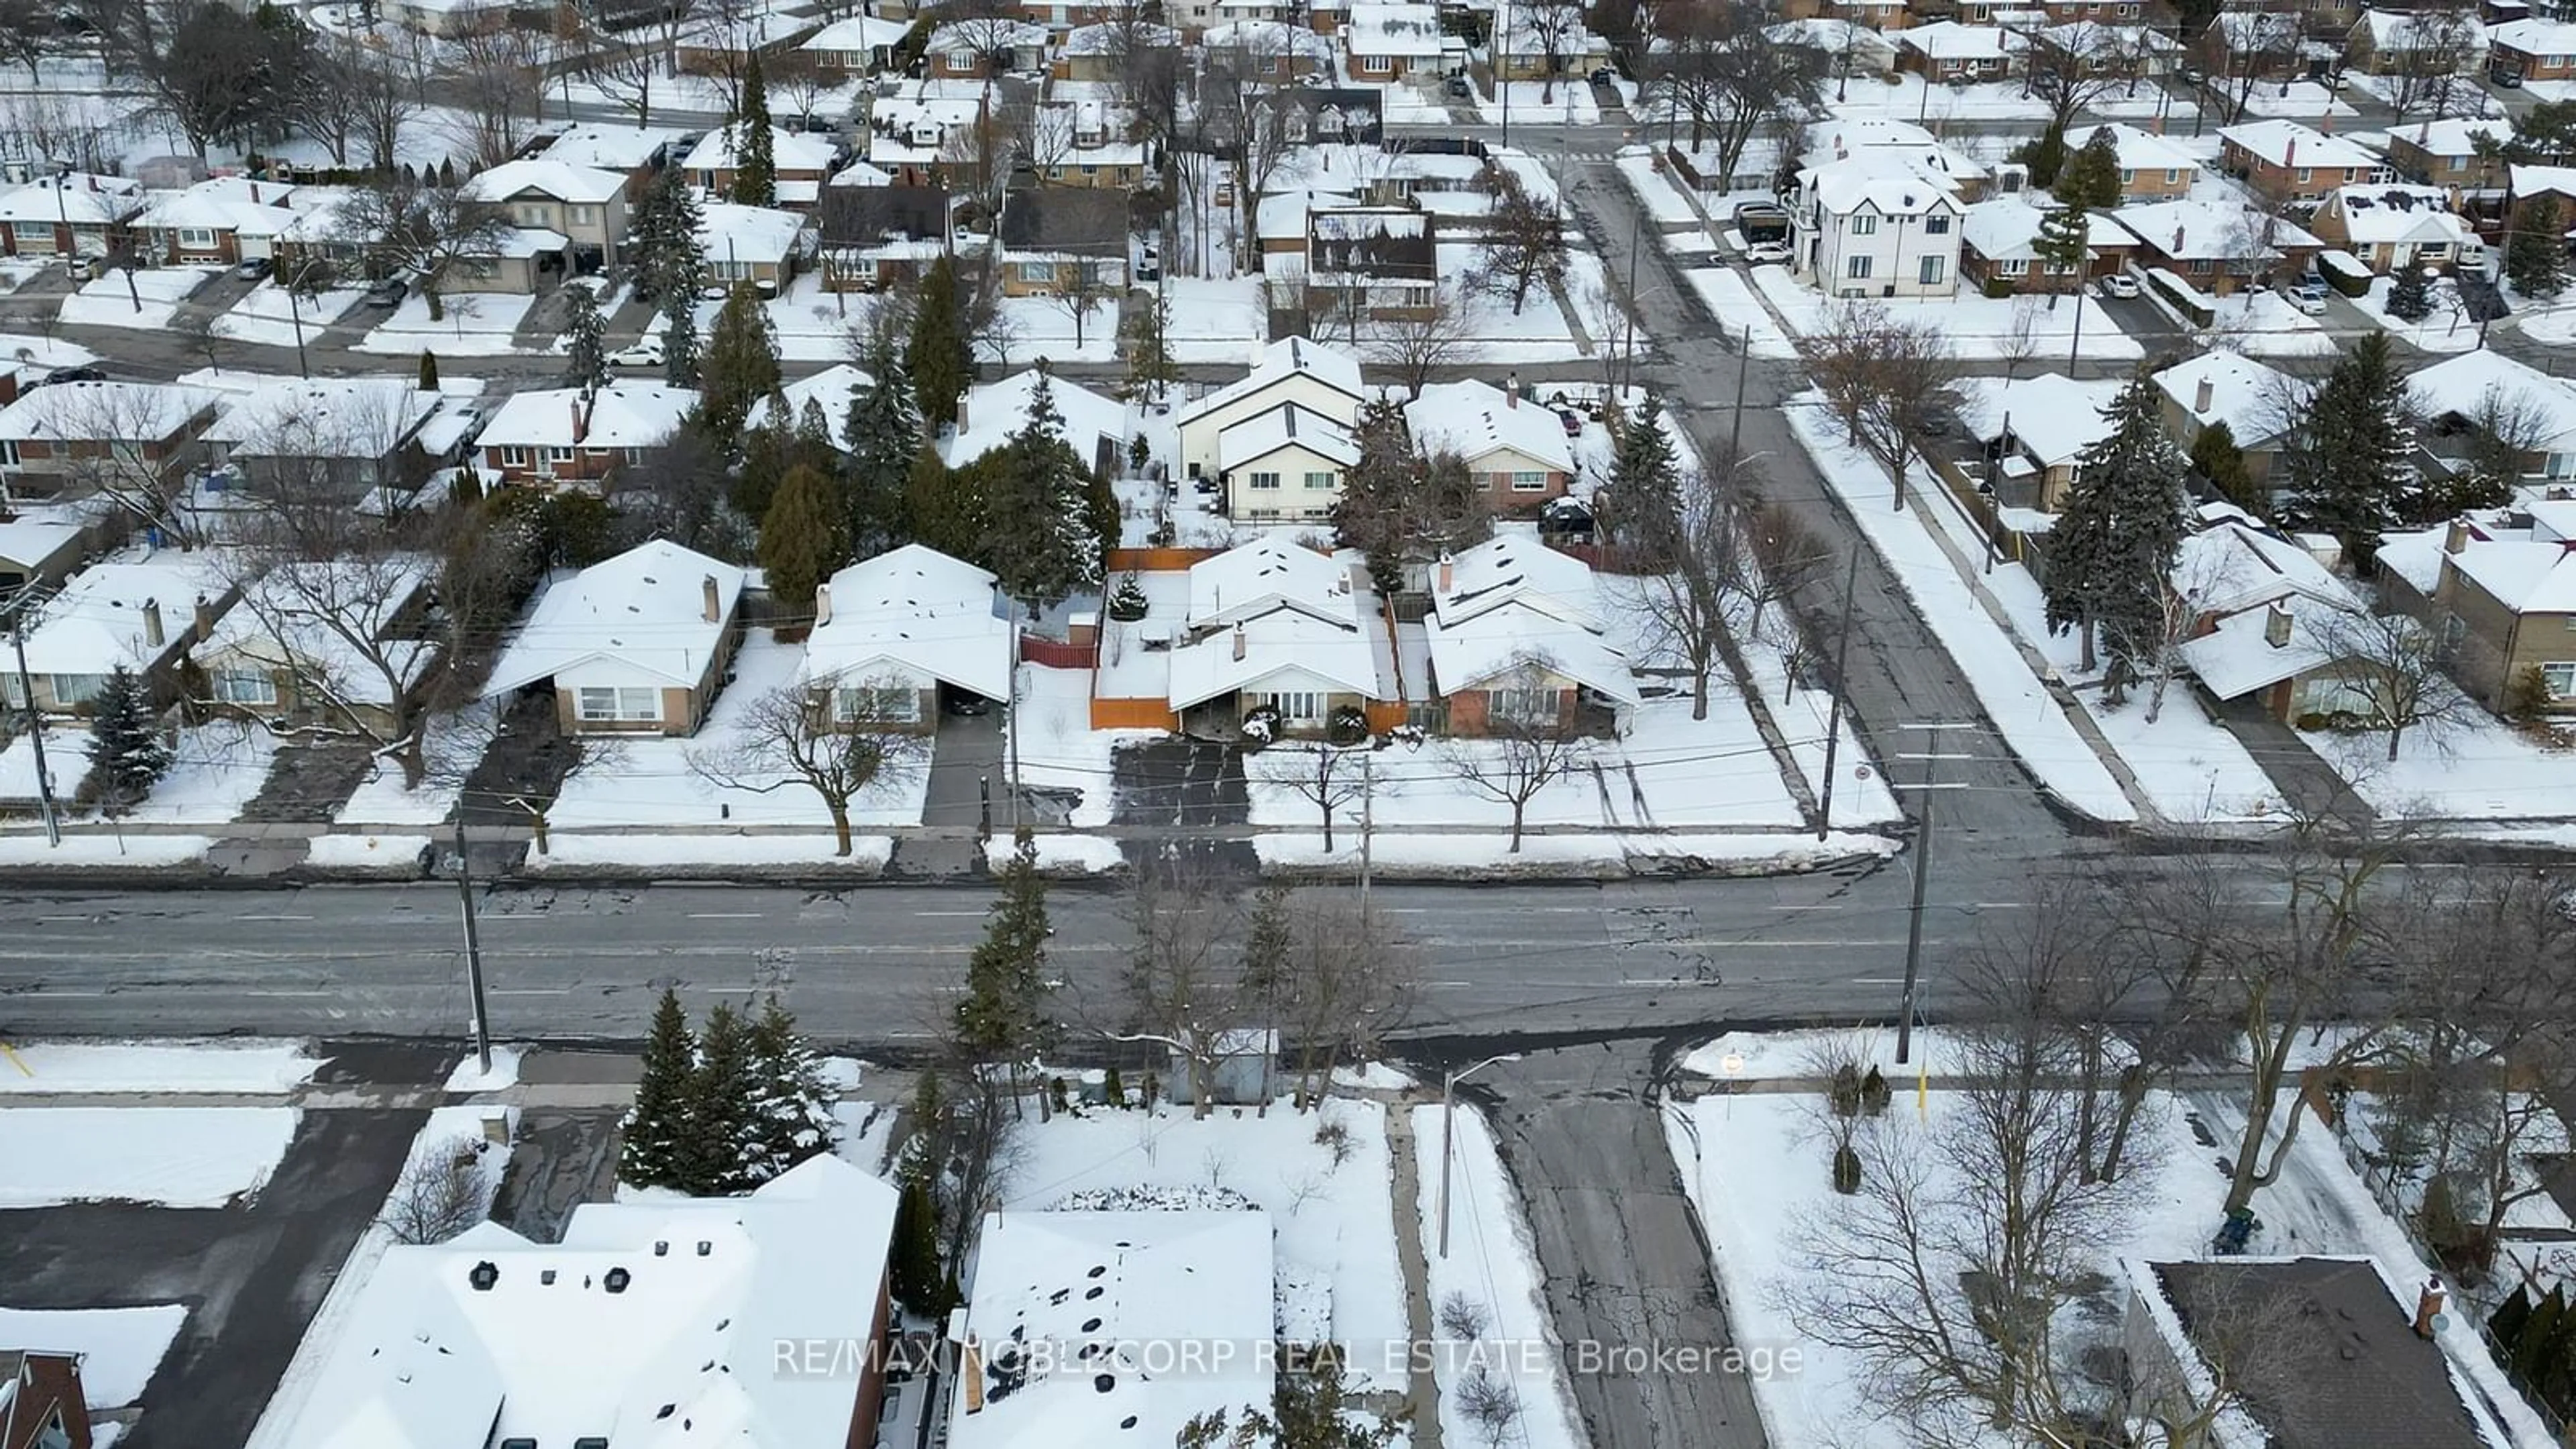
x=1655 y=190
x=1062 y=854
x=811 y=325
x=263 y=315
x=1028 y=328
x=2547 y=323
x=868 y=853
x=176 y=1156
x=213 y=773
x=1337 y=1271
x=477 y=324
x=652 y=782
x=119 y=1347
x=361 y=850
x=1564 y=102
x=454 y=742
x=149 y=304
x=2306 y=101
x=110 y=851
x=1977 y=326
x=2485 y=771
x=1214 y=319
x=2260 y=322
x=1479 y=856
x=44 y=351
x=2446 y=328
x=1057 y=748
x=40 y=1067
x=1491 y=1262
x=66 y=762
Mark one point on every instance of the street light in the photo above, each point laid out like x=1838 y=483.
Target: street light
x=1449 y=1137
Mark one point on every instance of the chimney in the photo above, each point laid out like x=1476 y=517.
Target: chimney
x=1512 y=390
x=2276 y=625
x=2428 y=1307
x=254 y=193
x=710 y=600
x=205 y=619
x=2456 y=537
x=2177 y=246
x=822 y=602
x=1238 y=641
x=1448 y=573
x=2290 y=157
x=152 y=623
x=2207 y=394
x=580 y=424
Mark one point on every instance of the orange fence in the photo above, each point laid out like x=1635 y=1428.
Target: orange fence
x=1155 y=560
x=1133 y=714
x=1057 y=654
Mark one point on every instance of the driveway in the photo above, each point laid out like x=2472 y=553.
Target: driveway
x=1194 y=786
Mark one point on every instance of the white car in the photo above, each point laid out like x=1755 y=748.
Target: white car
x=2120 y=285
x=647 y=353
x=2309 y=297
x=1760 y=253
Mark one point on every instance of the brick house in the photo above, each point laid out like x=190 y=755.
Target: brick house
x=2255 y=601
x=218 y=222
x=76 y=214
x=859 y=45
x=354 y=434
x=2216 y=248
x=40 y=1401
x=636 y=644
x=2445 y=152
x=1380 y=260
x=1517 y=639
x=285 y=652
x=555 y=438
x=892 y=632
x=801 y=163
x=874 y=237
x=2530 y=50
x=1997 y=252
x=142 y=616
x=2287 y=161
x=1386 y=43
x=1054 y=239
x=71 y=439
x=1948 y=51
x=1516 y=451
x=985 y=48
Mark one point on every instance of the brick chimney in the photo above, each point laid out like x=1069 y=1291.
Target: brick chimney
x=205 y=619
x=152 y=634
x=2276 y=625
x=2290 y=157
x=1512 y=390
x=2205 y=395
x=2456 y=537
x=2429 y=1305
x=1448 y=573
x=1238 y=641
x=710 y=599
x=580 y=423
x=822 y=603
x=2177 y=246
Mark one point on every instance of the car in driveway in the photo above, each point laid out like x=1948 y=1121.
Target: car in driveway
x=2119 y=286
x=389 y=293
x=959 y=702
x=84 y=372
x=645 y=352
x=252 y=270
x=1458 y=86
x=2309 y=297
x=1768 y=254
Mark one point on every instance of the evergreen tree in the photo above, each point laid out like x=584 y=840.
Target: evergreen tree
x=1151 y=370
x=938 y=358
x=648 y=1155
x=1377 y=493
x=1039 y=525
x=944 y=507
x=755 y=167
x=1003 y=1017
x=913 y=1266
x=740 y=368
x=800 y=539
x=885 y=442
x=126 y=750
x=812 y=440
x=2535 y=253
x=664 y=244
x=2215 y=456
x=1645 y=478
x=428 y=372
x=717 y=1143
x=2112 y=551
x=2090 y=180
x=2410 y=295
x=791 y=1103
x=1268 y=940
x=768 y=451
x=2350 y=469
x=680 y=339
x=586 y=331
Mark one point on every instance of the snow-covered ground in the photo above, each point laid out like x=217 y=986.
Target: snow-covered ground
x=1739 y=312
x=652 y=782
x=146 y=298
x=119 y=1347
x=1655 y=190
x=477 y=324
x=1062 y=854
x=2307 y=101
x=1976 y=325
x=1025 y=329
x=2484 y=771
x=263 y=316
x=2446 y=328
x=2260 y=322
x=1057 y=748
x=1337 y=1271
x=868 y=853
x=1565 y=102
x=112 y=851
x=1213 y=319
x=364 y=850
x=176 y=1156
x=213 y=773
x=469 y=1075
x=1492 y=1262
x=454 y=741
x=1488 y=857
x=39 y=1067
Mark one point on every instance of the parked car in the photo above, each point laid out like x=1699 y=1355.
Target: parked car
x=252 y=270
x=645 y=353
x=2120 y=284
x=83 y=372
x=1768 y=253
x=1573 y=422
x=1603 y=75
x=1458 y=86
x=820 y=125
x=959 y=702
x=388 y=293
x=2309 y=297
x=81 y=269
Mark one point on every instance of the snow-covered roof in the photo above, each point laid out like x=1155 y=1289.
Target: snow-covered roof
x=1949 y=40
x=2539 y=180
x=620 y=415
x=992 y=411
x=913 y=611
x=529 y=241
x=1275 y=648
x=655 y=1323
x=1287 y=425
x=1392 y=29
x=1274 y=39
x=1120 y=39
x=645 y=609
x=1476 y=419
x=2233 y=565
x=1842 y=139
x=225 y=203
x=2051 y=415
x=1284 y=213
x=1888 y=183
x=80 y=198
x=2237 y=656
x=101 y=619
x=2219 y=231
x=735 y=233
x=1268 y=576
x=833 y=388
x=1515 y=569
x=546 y=176
x=2258 y=29
x=2454 y=137
x=790 y=151
x=859 y=32
x=2400 y=32
x=28 y=540
x=2462 y=385
x=2287 y=143
x=610 y=148
x=1828 y=35
x=983 y=35
x=2254 y=399
x=323 y=417
x=304 y=616
x=2003 y=228
x=2384 y=212
x=2142 y=150
x=1515 y=637
x=2535 y=37
x=108 y=411
x=2525 y=575
x=1287 y=357
x=1144 y=1280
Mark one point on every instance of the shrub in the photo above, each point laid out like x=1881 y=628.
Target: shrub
x=1347 y=725
x=1846 y=1170
x=1261 y=724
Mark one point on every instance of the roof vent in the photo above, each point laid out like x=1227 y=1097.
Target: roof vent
x=705 y=1247
x=1103 y=1383
x=546 y=1276
x=484 y=1275
x=662 y=1248
x=616 y=1280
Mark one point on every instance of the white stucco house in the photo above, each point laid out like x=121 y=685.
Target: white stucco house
x=1876 y=226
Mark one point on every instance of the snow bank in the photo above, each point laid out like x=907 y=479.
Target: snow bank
x=119 y=1347
x=1062 y=854
x=367 y=852
x=571 y=853
x=469 y=1075
x=36 y=1068
x=175 y=1156
x=103 y=852
x=1486 y=856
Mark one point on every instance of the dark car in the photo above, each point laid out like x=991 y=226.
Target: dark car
x=959 y=702
x=388 y=293
x=1603 y=75
x=252 y=270
x=85 y=372
x=1458 y=86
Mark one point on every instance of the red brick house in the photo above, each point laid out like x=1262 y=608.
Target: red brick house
x=556 y=438
x=40 y=1401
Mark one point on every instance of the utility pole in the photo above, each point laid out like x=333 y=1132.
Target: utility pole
x=1922 y=876
x=1834 y=714
x=1368 y=824
x=1449 y=1136
x=474 y=956
x=1743 y=367
x=35 y=723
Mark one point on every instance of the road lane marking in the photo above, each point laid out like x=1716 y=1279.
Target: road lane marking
x=724 y=915
x=532 y=991
x=272 y=918
x=951 y=913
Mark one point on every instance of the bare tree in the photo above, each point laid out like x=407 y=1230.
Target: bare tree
x=1524 y=242
x=495 y=82
x=1490 y=1403
x=1182 y=988
x=2241 y=49
x=1420 y=343
x=2071 y=69
x=1717 y=64
x=28 y=29
x=2394 y=672
x=440 y=1194
x=1695 y=570
x=840 y=741
x=1550 y=28
x=1888 y=381
x=627 y=73
x=797 y=81
x=1349 y=981
x=1518 y=757
x=114 y=434
x=1328 y=776
x=1786 y=556
x=438 y=232
x=2430 y=51
x=1082 y=289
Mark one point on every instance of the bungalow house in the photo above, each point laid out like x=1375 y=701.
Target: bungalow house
x=334 y=645
x=2034 y=431
x=2530 y=186
x=1516 y=454
x=74 y=214
x=1267 y=50
x=1887 y=17
x=908 y=133
x=1095 y=427
x=2216 y=248
x=1386 y=43
x=2256 y=602
x=801 y=161
x=2461 y=395
x=1531 y=47
x=305 y=438
x=142 y=616
x=2290 y=162
x=446 y=18
x=557 y=438
x=1517 y=640
x=1287 y=463
x=1103 y=53
x=716 y=47
x=1353 y=114
x=586 y=204
x=636 y=644
x=2085 y=50
x=891 y=633
x=1084 y=143
x=1276 y=625
x=2259 y=404
x=1876 y=225
x=755 y=244
x=634 y=152
x=1057 y=240
x=1380 y=262
x=2532 y=50
x=2424 y=44
x=1856 y=48
x=859 y=45
x=554 y=1343
x=41 y=1401
x=1281 y=234
x=1997 y=251
x=2252 y=44
x=876 y=237
x=2391 y=227
x=2446 y=152
x=986 y=48
x=2071 y=12
x=1292 y=369
x=40 y=549
x=217 y=222
x=1948 y=51
x=72 y=439
x=2151 y=167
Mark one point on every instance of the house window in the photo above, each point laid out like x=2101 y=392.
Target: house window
x=245 y=686
x=1376 y=65
x=1864 y=226
x=1299 y=706
x=584 y=215
x=1937 y=224
x=1931 y=271
x=531 y=214
x=621 y=704
x=1320 y=480
x=9 y=453
x=514 y=457
x=1529 y=481
x=2560 y=678
x=1034 y=271
x=2306 y=174
x=2173 y=176
x=890 y=705
x=200 y=238
x=2200 y=266
x=558 y=455
x=1856 y=268
x=961 y=60
x=33 y=236
x=1524 y=706
x=1264 y=480
x=77 y=688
